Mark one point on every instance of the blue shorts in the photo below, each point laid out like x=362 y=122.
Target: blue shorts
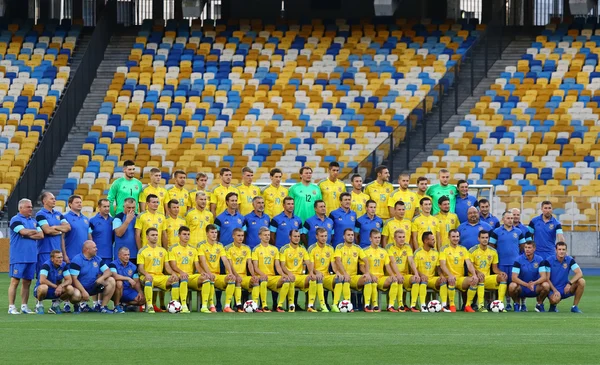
x=49 y=295
x=561 y=290
x=22 y=271
x=92 y=289
x=507 y=269
x=129 y=295
x=527 y=293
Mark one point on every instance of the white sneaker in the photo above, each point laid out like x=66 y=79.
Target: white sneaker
x=26 y=310
x=424 y=309
x=13 y=311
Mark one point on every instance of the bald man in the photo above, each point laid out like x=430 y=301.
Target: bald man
x=469 y=230
x=90 y=276
x=518 y=224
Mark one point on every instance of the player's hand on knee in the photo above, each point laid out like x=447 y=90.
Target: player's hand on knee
x=149 y=278
x=347 y=278
x=85 y=296
x=424 y=278
x=502 y=276
x=451 y=280
x=443 y=280
x=319 y=275
x=184 y=276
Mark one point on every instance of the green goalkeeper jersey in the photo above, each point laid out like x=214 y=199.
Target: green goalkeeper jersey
x=437 y=191
x=122 y=189
x=304 y=199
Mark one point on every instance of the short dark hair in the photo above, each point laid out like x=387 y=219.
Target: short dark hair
x=399 y=202
x=128 y=163
x=344 y=194
x=530 y=243
x=355 y=176
x=211 y=227
x=482 y=232
x=178 y=172
x=380 y=169
x=317 y=202
x=560 y=243
x=424 y=200
x=73 y=197
x=102 y=201
x=224 y=170
x=305 y=168
x=484 y=201
x=422 y=178
x=453 y=230
x=320 y=230
x=425 y=235
x=460 y=182
x=333 y=164
x=370 y=201
x=292 y=231
x=183 y=229
x=171 y=202
x=150 y=197
x=151 y=229
x=546 y=202
x=236 y=230
x=229 y=195
x=287 y=198
x=275 y=171
x=443 y=199
x=373 y=231
x=348 y=229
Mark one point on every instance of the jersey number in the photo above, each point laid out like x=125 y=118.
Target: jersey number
x=376 y=262
x=212 y=258
x=185 y=261
x=155 y=262
x=428 y=265
x=267 y=261
x=308 y=198
x=483 y=264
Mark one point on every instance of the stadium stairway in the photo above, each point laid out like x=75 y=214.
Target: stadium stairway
x=116 y=55
x=510 y=56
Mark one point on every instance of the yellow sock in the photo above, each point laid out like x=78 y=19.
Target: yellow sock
x=346 y=291
x=393 y=294
x=238 y=295
x=148 y=294
x=183 y=292
x=263 y=294
x=283 y=294
x=414 y=294
x=480 y=294
x=291 y=293
x=367 y=292
x=451 y=295
x=255 y=293
x=229 y=290
x=374 y=295
x=444 y=293
x=399 y=295
x=175 y=292
x=320 y=293
x=501 y=291
x=206 y=289
x=211 y=297
x=337 y=293
x=471 y=295
x=312 y=292
x=423 y=294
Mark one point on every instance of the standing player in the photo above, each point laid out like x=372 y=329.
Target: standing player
x=367 y=223
x=230 y=219
x=179 y=192
x=265 y=259
x=469 y=230
x=274 y=194
x=464 y=201
x=101 y=227
x=343 y=218
x=54 y=282
x=155 y=188
x=124 y=187
x=424 y=222
x=217 y=197
x=428 y=260
x=517 y=224
x=321 y=255
x=446 y=221
x=319 y=220
x=545 y=230
x=453 y=267
x=151 y=265
x=443 y=189
x=201 y=182
x=293 y=258
x=53 y=224
x=247 y=191
x=170 y=236
x=486 y=216
x=401 y=259
x=151 y=218
x=485 y=258
x=378 y=261
x=24 y=236
x=347 y=256
x=410 y=199
x=396 y=223
x=198 y=218
x=183 y=259
x=422 y=186
x=529 y=279
x=124 y=230
x=558 y=267
x=240 y=259
x=283 y=223
x=380 y=190
x=72 y=241
x=128 y=289
x=332 y=188
x=359 y=199
x=254 y=221
x=305 y=194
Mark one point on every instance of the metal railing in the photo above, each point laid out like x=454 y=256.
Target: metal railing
x=43 y=159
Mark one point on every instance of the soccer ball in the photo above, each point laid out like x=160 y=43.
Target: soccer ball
x=345 y=306
x=250 y=306
x=434 y=306
x=497 y=306
x=174 y=307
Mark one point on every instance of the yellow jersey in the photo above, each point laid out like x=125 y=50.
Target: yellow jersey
x=274 y=199
x=197 y=221
x=213 y=253
x=410 y=199
x=321 y=257
x=359 y=203
x=265 y=256
x=293 y=258
x=446 y=222
x=378 y=258
x=160 y=192
x=184 y=257
x=427 y=261
x=423 y=224
x=153 y=259
x=172 y=228
x=400 y=256
x=218 y=195
x=392 y=225
x=380 y=193
x=483 y=259
x=247 y=193
x=147 y=220
x=349 y=256
x=192 y=200
x=331 y=191
x=455 y=259
x=239 y=258
x=182 y=196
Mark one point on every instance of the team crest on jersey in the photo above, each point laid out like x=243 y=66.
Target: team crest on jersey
x=272 y=253
x=136 y=187
x=226 y=222
x=469 y=203
x=295 y=224
x=565 y=265
x=403 y=253
x=535 y=265
x=489 y=258
x=377 y=224
x=86 y=222
x=460 y=253
x=380 y=255
x=129 y=272
x=160 y=254
x=57 y=217
x=452 y=221
x=207 y=218
x=352 y=218
x=327 y=255
x=95 y=264
x=15 y=271
x=161 y=194
x=515 y=235
x=159 y=220
x=354 y=254
x=329 y=225
x=432 y=257
x=551 y=226
x=190 y=253
x=480 y=229
x=239 y=221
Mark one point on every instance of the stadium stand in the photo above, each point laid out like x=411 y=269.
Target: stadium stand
x=34 y=71
x=260 y=95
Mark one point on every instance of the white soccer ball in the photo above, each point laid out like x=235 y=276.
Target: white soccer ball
x=497 y=306
x=345 y=306
x=250 y=306
x=174 y=307
x=434 y=306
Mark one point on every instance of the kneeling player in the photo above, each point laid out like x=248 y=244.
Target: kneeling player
x=428 y=260
x=54 y=282
x=528 y=279
x=293 y=258
x=347 y=255
x=558 y=267
x=485 y=258
x=240 y=260
x=265 y=258
x=378 y=261
x=401 y=258
x=128 y=290
x=321 y=255
x=151 y=263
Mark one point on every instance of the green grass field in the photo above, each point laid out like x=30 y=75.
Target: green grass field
x=377 y=338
